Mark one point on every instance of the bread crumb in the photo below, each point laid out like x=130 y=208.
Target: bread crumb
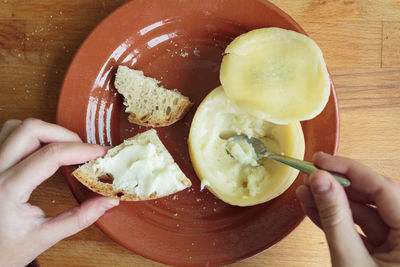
x=186 y=54
x=176 y=214
x=198 y=199
x=214 y=209
x=53 y=201
x=177 y=225
x=174 y=197
x=13 y=88
x=192 y=243
x=196 y=52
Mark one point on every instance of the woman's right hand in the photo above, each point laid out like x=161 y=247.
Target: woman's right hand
x=372 y=202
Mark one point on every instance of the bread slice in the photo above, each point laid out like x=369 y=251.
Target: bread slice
x=148 y=103
x=140 y=168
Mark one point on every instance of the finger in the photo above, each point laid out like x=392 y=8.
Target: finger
x=366 y=217
x=32 y=171
x=28 y=137
x=308 y=205
x=367 y=243
x=384 y=192
x=351 y=193
x=336 y=219
x=370 y=223
x=75 y=220
x=7 y=129
x=359 y=197
x=310 y=209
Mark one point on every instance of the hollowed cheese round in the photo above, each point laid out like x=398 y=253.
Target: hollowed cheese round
x=237 y=183
x=276 y=74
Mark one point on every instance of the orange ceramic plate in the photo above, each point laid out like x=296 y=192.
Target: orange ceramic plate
x=181 y=44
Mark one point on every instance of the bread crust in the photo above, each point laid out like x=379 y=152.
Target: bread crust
x=174 y=116
x=147 y=102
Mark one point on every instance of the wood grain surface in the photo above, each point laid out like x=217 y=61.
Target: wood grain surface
x=361 y=44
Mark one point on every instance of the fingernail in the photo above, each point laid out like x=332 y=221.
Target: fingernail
x=320 y=184
x=111 y=202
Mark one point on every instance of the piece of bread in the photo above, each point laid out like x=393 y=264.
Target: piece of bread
x=140 y=168
x=148 y=103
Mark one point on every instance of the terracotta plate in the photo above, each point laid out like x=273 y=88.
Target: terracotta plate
x=180 y=43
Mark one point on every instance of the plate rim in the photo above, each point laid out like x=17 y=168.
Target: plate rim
x=59 y=114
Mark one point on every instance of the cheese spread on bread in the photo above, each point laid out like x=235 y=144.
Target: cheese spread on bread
x=140 y=170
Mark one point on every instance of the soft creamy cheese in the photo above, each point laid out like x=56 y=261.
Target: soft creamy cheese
x=139 y=169
x=239 y=173
x=242 y=151
x=236 y=177
x=203 y=184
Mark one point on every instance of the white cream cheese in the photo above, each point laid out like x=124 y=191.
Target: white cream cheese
x=141 y=169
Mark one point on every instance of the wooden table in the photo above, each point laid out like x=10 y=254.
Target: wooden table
x=361 y=43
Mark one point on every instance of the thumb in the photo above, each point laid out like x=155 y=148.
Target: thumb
x=72 y=221
x=345 y=244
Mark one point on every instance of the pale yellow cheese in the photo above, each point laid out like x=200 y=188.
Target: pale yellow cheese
x=276 y=74
x=233 y=181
